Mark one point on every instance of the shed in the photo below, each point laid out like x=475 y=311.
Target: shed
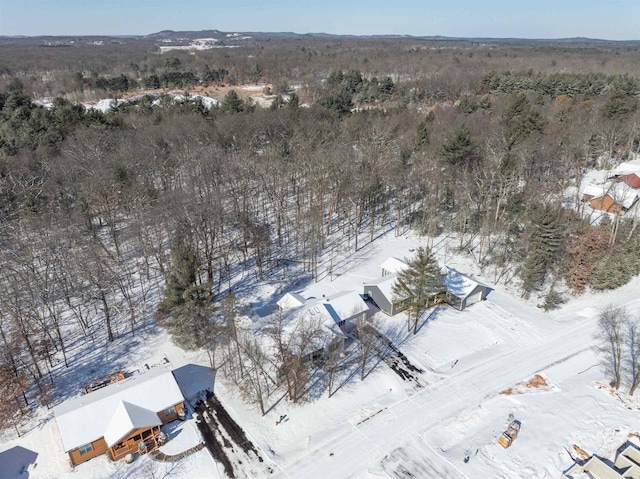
x=291 y=300
x=393 y=265
x=463 y=290
x=118 y=417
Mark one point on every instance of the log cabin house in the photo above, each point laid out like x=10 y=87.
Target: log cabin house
x=119 y=419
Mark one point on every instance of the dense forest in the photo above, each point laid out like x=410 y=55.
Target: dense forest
x=477 y=140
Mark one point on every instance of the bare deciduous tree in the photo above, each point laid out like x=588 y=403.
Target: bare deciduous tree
x=632 y=341
x=366 y=344
x=612 y=325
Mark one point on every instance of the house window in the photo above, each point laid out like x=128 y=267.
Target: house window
x=86 y=449
x=170 y=411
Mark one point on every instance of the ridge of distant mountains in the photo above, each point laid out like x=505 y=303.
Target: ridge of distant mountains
x=169 y=34
x=192 y=35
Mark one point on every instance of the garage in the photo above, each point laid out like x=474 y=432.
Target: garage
x=462 y=290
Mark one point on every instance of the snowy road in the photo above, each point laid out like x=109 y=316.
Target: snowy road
x=362 y=448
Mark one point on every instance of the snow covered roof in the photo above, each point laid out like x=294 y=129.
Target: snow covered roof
x=623 y=194
x=393 y=265
x=629 y=166
x=326 y=313
x=385 y=285
x=458 y=284
x=595 y=190
x=290 y=300
x=596 y=185
x=86 y=418
x=312 y=314
x=345 y=305
x=127 y=418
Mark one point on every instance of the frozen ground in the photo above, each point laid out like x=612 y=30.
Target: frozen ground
x=479 y=366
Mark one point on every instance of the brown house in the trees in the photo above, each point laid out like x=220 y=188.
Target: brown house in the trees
x=121 y=418
x=605 y=203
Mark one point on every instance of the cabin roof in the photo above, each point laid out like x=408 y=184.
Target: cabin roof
x=127 y=418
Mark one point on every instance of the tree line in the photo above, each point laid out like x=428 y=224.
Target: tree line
x=207 y=204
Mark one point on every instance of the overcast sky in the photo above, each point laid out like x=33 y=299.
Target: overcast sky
x=608 y=19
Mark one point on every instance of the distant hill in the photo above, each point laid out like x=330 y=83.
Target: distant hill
x=170 y=34
x=220 y=35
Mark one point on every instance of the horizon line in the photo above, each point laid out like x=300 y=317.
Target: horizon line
x=398 y=35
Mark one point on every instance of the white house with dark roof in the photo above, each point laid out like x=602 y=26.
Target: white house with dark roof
x=118 y=417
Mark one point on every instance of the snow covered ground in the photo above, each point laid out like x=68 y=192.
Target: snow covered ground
x=499 y=357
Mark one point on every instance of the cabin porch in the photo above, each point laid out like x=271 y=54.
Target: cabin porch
x=140 y=441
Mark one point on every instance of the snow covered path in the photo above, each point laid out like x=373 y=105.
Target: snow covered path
x=362 y=448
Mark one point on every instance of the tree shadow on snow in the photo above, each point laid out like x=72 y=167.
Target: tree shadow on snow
x=430 y=316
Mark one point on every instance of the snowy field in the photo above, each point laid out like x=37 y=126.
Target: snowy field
x=498 y=358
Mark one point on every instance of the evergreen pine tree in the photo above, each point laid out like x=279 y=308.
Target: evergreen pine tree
x=419 y=285
x=544 y=244
x=459 y=150
x=187 y=303
x=232 y=103
x=181 y=278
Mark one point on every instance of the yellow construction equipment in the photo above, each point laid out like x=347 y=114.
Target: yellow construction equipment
x=510 y=435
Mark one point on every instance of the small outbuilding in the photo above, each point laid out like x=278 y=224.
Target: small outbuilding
x=291 y=300
x=463 y=290
x=121 y=418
